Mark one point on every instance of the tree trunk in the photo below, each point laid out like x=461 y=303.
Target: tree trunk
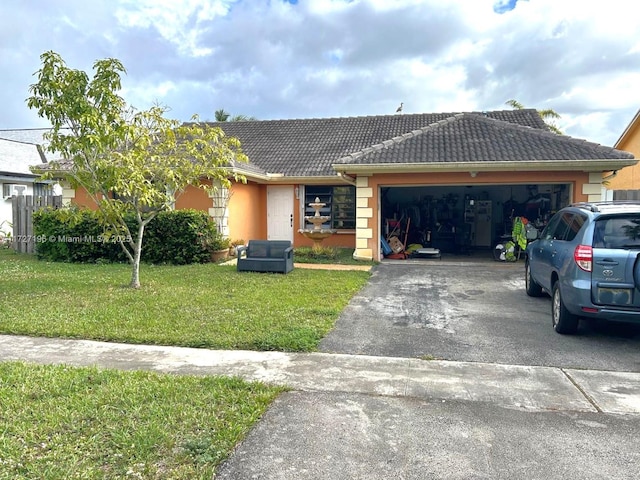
x=137 y=253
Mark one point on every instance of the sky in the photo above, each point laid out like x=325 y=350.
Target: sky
x=284 y=59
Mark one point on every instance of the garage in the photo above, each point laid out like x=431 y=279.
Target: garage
x=465 y=219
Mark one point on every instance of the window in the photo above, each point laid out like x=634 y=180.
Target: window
x=549 y=231
x=617 y=232
x=340 y=205
x=575 y=226
x=11 y=189
x=563 y=226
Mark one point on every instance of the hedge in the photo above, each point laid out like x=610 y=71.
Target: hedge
x=76 y=235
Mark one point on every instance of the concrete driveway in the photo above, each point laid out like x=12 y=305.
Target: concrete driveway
x=476 y=312
x=461 y=312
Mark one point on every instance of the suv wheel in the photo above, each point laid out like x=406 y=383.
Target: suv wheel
x=531 y=286
x=563 y=320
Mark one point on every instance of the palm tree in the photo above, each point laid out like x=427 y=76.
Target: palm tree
x=548 y=115
x=221 y=115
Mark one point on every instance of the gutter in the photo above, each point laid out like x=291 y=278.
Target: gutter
x=17 y=177
x=280 y=178
x=603 y=165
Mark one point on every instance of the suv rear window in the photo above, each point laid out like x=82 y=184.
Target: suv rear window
x=621 y=231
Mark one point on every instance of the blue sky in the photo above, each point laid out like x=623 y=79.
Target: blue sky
x=331 y=58
x=503 y=6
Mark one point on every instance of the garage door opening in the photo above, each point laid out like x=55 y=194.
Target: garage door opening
x=462 y=219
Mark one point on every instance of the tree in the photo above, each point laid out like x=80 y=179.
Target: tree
x=222 y=116
x=130 y=162
x=242 y=118
x=548 y=115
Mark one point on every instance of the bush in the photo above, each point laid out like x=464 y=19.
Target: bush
x=76 y=235
x=177 y=237
x=73 y=235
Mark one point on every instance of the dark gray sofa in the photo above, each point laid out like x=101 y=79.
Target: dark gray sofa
x=266 y=256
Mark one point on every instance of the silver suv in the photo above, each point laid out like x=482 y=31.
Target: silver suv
x=588 y=259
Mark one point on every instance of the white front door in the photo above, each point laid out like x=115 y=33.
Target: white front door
x=280 y=213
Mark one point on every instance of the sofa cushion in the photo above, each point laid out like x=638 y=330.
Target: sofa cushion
x=258 y=249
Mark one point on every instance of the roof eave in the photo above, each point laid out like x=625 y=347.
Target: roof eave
x=10 y=177
x=281 y=178
x=630 y=127
x=602 y=165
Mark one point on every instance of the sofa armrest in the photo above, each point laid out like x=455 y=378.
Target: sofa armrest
x=240 y=250
x=288 y=253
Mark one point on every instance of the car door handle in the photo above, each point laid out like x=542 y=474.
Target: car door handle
x=606 y=262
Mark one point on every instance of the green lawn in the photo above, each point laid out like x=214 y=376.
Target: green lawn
x=60 y=422
x=327 y=255
x=207 y=305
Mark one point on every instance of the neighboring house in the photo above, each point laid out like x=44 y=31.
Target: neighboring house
x=628 y=178
x=16 y=178
x=446 y=172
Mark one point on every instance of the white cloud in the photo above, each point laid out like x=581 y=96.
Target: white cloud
x=274 y=59
x=177 y=22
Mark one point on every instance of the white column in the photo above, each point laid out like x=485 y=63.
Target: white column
x=364 y=217
x=593 y=189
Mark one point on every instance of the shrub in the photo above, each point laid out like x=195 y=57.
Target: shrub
x=73 y=235
x=76 y=235
x=177 y=237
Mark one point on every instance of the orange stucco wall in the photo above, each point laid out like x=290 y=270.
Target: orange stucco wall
x=82 y=199
x=482 y=178
x=248 y=217
x=248 y=212
x=629 y=177
x=195 y=198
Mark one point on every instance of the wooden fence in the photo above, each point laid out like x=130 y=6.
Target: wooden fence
x=24 y=240
x=626 y=194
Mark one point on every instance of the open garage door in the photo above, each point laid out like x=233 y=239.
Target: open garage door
x=466 y=219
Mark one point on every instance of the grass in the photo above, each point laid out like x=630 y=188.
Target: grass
x=326 y=255
x=211 y=306
x=59 y=422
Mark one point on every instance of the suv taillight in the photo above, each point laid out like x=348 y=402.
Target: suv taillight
x=583 y=256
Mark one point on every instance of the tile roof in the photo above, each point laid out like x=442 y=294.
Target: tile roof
x=469 y=137
x=309 y=147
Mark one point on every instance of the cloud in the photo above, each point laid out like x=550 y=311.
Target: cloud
x=324 y=58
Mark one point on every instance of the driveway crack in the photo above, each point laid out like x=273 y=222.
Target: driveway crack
x=589 y=398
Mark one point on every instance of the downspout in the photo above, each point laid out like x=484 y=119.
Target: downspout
x=347 y=178
x=609 y=177
x=606 y=193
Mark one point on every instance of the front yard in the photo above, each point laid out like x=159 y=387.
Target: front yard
x=202 y=305
x=64 y=422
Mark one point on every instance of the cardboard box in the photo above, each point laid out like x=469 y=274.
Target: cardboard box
x=396 y=245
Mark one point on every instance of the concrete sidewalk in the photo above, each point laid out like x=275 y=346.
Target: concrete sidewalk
x=523 y=387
